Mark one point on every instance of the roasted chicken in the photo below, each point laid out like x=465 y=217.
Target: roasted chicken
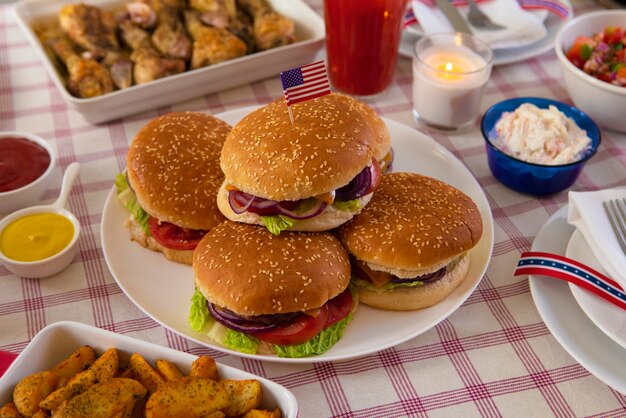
x=170 y=37
x=218 y=13
x=211 y=44
x=271 y=29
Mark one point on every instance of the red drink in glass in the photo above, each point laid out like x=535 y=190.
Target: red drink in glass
x=362 y=38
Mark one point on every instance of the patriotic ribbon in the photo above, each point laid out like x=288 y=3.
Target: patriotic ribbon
x=559 y=267
x=552 y=6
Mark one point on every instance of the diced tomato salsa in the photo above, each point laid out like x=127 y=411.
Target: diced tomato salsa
x=602 y=56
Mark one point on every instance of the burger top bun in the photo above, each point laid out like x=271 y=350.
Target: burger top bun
x=381 y=133
x=413 y=222
x=173 y=168
x=290 y=272
x=328 y=144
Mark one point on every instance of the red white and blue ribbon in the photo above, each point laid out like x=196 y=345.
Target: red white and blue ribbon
x=559 y=267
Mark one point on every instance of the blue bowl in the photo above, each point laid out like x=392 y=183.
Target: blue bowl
x=531 y=178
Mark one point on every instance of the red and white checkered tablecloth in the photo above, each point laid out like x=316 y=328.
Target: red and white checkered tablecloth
x=493 y=357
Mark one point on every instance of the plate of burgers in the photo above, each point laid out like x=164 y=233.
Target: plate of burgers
x=330 y=237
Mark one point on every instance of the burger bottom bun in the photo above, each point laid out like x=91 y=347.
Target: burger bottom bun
x=330 y=218
x=418 y=297
x=137 y=234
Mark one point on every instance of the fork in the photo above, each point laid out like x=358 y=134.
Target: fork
x=616 y=211
x=480 y=20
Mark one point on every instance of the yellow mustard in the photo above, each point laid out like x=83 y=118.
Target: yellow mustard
x=36 y=237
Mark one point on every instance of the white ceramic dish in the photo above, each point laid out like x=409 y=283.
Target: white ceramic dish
x=57 y=262
x=146 y=276
x=604 y=102
x=190 y=84
x=589 y=346
x=28 y=195
x=510 y=55
x=60 y=339
x=608 y=317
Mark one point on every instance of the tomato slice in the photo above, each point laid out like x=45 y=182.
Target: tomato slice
x=301 y=330
x=339 y=307
x=173 y=236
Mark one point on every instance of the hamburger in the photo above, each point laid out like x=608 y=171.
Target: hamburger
x=409 y=246
x=171 y=182
x=312 y=175
x=292 y=300
x=382 y=139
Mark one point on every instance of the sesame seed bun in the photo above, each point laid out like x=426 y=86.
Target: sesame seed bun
x=330 y=218
x=328 y=144
x=413 y=222
x=382 y=136
x=417 y=297
x=173 y=168
x=249 y=271
x=414 y=225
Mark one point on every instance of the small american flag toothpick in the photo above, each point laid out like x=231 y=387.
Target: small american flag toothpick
x=304 y=83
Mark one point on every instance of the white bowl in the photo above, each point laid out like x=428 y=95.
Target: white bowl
x=30 y=194
x=48 y=266
x=58 y=340
x=187 y=85
x=604 y=102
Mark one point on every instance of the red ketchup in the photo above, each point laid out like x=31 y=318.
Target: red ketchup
x=362 y=39
x=21 y=162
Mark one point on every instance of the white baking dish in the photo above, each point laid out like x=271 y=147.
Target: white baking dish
x=60 y=339
x=187 y=85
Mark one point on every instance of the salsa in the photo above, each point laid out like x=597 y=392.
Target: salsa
x=602 y=56
x=21 y=162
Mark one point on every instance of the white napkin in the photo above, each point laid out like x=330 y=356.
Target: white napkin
x=521 y=27
x=587 y=214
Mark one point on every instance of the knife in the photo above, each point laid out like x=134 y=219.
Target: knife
x=454 y=17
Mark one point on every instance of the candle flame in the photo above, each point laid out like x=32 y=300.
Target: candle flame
x=449 y=66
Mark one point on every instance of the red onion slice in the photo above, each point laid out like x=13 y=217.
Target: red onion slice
x=357 y=187
x=316 y=208
x=239 y=202
x=237 y=323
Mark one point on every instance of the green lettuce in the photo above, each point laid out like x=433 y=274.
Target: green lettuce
x=277 y=223
x=348 y=205
x=129 y=200
x=241 y=342
x=386 y=288
x=199 y=314
x=316 y=345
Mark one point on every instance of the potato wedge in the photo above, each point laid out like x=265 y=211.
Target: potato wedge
x=144 y=372
x=103 y=369
x=188 y=397
x=80 y=360
x=168 y=370
x=262 y=413
x=41 y=414
x=31 y=390
x=204 y=366
x=114 y=397
x=244 y=395
x=9 y=410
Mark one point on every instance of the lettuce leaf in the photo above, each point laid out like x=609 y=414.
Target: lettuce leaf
x=386 y=288
x=241 y=342
x=199 y=314
x=277 y=223
x=129 y=200
x=316 y=345
x=348 y=205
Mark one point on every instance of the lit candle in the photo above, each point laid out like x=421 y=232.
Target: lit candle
x=448 y=82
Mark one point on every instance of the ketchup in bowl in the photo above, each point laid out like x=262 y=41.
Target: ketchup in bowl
x=21 y=162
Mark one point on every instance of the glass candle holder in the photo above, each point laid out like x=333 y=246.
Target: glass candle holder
x=450 y=71
x=362 y=39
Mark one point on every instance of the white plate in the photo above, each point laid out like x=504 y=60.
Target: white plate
x=608 y=317
x=510 y=55
x=187 y=85
x=163 y=289
x=589 y=346
x=60 y=339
